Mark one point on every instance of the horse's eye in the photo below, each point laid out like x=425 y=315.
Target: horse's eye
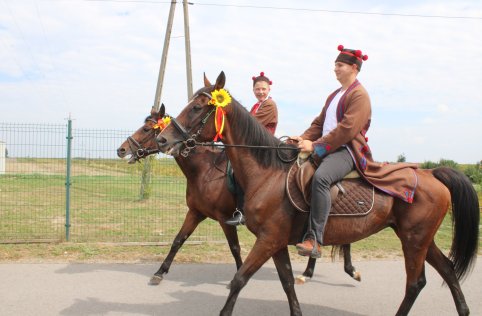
x=197 y=107
x=146 y=129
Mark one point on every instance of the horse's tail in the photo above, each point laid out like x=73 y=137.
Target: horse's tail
x=338 y=250
x=465 y=219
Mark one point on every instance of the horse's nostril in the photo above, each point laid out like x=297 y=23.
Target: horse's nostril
x=120 y=152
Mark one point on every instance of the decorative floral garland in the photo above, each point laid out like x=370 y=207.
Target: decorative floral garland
x=162 y=123
x=219 y=98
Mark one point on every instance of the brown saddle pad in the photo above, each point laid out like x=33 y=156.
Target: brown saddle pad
x=351 y=196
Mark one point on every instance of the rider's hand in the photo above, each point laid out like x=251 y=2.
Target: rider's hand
x=294 y=139
x=306 y=145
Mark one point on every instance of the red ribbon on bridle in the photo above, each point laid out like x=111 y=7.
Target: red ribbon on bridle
x=219 y=118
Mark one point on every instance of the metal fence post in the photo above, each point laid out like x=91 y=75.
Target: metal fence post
x=67 y=181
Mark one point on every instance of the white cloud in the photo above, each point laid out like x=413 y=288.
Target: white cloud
x=442 y=108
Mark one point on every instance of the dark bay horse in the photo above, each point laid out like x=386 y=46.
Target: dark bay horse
x=207 y=195
x=276 y=223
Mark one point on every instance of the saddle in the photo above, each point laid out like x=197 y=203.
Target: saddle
x=353 y=196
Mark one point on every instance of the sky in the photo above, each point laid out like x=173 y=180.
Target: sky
x=97 y=61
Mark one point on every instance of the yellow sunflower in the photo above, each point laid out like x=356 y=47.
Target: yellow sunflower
x=220 y=98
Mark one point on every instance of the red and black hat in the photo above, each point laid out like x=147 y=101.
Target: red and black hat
x=261 y=77
x=351 y=56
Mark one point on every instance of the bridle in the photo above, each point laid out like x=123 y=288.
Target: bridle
x=189 y=140
x=137 y=150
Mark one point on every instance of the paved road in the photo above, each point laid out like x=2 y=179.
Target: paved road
x=200 y=289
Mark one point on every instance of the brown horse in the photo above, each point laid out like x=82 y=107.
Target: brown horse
x=276 y=223
x=207 y=195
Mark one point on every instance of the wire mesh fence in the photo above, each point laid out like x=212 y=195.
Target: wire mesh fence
x=99 y=201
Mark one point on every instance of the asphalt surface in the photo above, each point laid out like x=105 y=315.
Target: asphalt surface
x=200 y=289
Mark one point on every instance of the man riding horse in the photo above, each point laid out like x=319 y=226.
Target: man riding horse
x=336 y=139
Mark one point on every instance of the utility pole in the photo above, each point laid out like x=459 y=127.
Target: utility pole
x=145 y=189
x=187 y=41
x=162 y=68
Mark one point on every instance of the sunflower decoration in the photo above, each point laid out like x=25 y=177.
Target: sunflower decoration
x=219 y=98
x=162 y=123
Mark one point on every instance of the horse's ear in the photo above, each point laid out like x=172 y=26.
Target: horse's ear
x=206 y=81
x=220 y=81
x=162 y=110
x=154 y=111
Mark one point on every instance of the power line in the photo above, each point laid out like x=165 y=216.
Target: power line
x=339 y=11
x=299 y=9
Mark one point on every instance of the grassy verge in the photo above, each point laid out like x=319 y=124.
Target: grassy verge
x=384 y=245
x=105 y=206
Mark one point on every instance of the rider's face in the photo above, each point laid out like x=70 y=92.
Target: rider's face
x=261 y=90
x=344 y=71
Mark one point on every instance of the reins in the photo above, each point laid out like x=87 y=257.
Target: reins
x=190 y=142
x=213 y=144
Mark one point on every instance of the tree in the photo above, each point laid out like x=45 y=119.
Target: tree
x=401 y=158
x=145 y=189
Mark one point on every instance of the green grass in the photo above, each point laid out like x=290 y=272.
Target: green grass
x=105 y=208
x=105 y=201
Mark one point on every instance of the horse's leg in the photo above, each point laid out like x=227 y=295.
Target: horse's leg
x=414 y=254
x=444 y=267
x=191 y=221
x=259 y=254
x=231 y=234
x=283 y=265
x=349 y=268
x=310 y=269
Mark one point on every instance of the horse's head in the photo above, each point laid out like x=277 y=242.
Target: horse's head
x=195 y=123
x=143 y=142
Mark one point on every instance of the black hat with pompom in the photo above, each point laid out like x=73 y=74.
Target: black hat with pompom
x=351 y=56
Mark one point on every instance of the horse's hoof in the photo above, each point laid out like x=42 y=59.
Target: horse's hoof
x=300 y=279
x=357 y=276
x=155 y=280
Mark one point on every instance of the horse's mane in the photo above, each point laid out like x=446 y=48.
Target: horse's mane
x=255 y=134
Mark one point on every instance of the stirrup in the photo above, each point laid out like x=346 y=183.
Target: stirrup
x=236 y=221
x=237 y=212
x=310 y=233
x=314 y=252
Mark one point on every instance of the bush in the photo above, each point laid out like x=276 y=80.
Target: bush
x=442 y=163
x=448 y=163
x=474 y=172
x=429 y=165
